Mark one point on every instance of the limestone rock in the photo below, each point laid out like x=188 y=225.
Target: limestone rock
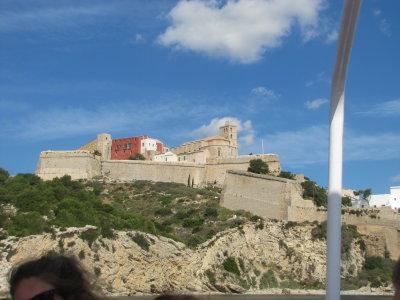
x=264 y=257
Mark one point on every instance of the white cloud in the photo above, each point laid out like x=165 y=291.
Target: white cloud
x=388 y=108
x=241 y=30
x=377 y=12
x=332 y=36
x=314 y=104
x=245 y=130
x=137 y=39
x=395 y=178
x=264 y=93
x=384 y=27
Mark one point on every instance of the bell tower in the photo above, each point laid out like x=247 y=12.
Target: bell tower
x=229 y=131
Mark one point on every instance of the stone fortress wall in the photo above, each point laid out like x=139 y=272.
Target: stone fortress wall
x=82 y=164
x=281 y=199
x=79 y=164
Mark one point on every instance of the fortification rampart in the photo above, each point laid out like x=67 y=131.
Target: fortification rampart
x=79 y=164
x=279 y=198
x=155 y=171
x=82 y=164
x=264 y=195
x=216 y=168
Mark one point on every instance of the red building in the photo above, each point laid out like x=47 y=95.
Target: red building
x=126 y=147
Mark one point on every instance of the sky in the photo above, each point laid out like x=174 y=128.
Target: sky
x=177 y=70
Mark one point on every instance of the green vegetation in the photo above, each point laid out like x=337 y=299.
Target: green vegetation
x=137 y=156
x=30 y=206
x=173 y=210
x=230 y=265
x=376 y=270
x=312 y=191
x=258 y=166
x=61 y=203
x=346 y=201
x=286 y=174
x=268 y=280
x=364 y=194
x=141 y=241
x=349 y=233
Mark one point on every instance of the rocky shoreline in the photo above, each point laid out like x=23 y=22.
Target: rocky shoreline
x=128 y=266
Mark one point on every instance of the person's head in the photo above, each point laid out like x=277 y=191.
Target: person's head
x=396 y=280
x=50 y=278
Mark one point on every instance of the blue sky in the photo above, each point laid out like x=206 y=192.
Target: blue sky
x=175 y=70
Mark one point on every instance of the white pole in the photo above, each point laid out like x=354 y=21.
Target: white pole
x=349 y=19
x=262 y=145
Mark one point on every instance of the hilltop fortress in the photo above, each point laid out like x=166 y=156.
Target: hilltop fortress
x=200 y=162
x=215 y=160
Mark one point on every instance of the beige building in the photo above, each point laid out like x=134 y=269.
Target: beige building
x=223 y=145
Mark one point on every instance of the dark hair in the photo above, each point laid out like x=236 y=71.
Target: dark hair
x=64 y=273
x=176 y=297
x=396 y=275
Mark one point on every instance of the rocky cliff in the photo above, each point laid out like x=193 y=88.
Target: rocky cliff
x=253 y=257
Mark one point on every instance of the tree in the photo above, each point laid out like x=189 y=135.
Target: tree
x=258 y=166
x=137 y=156
x=346 y=201
x=312 y=191
x=364 y=194
x=3 y=175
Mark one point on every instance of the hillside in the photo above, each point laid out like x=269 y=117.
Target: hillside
x=154 y=237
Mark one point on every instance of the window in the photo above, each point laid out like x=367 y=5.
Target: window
x=127 y=146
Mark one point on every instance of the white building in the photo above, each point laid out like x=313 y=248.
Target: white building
x=392 y=200
x=149 y=144
x=166 y=157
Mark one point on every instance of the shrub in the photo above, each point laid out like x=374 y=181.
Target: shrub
x=288 y=175
x=137 y=156
x=97 y=271
x=211 y=212
x=27 y=224
x=230 y=265
x=319 y=231
x=312 y=191
x=164 y=211
x=3 y=175
x=346 y=201
x=268 y=280
x=165 y=200
x=194 y=240
x=211 y=276
x=290 y=224
x=192 y=223
x=141 y=241
x=258 y=166
x=81 y=255
x=89 y=236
